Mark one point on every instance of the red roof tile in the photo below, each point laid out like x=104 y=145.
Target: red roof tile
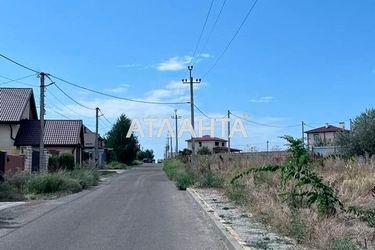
x=207 y=138
x=325 y=129
x=13 y=102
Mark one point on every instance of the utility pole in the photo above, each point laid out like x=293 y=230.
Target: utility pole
x=350 y=124
x=96 y=154
x=267 y=146
x=228 y=131
x=171 y=138
x=191 y=81
x=303 y=133
x=176 y=117
x=42 y=164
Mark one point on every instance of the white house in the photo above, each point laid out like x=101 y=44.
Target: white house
x=214 y=144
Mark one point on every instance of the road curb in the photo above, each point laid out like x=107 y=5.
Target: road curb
x=229 y=234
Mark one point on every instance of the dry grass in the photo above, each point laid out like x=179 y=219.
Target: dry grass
x=353 y=180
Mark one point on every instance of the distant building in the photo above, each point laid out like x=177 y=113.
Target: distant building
x=322 y=140
x=214 y=144
x=89 y=150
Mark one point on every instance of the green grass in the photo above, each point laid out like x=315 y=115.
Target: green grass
x=9 y=192
x=211 y=180
x=177 y=171
x=344 y=244
x=117 y=165
x=47 y=183
x=185 y=180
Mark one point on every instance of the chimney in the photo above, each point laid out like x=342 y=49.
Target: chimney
x=342 y=125
x=327 y=125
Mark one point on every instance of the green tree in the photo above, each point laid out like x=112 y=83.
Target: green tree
x=361 y=139
x=148 y=153
x=204 y=151
x=125 y=149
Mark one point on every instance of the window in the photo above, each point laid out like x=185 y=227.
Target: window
x=222 y=144
x=216 y=143
x=200 y=144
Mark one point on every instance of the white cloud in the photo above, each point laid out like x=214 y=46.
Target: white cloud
x=174 y=64
x=263 y=99
x=179 y=62
x=119 y=89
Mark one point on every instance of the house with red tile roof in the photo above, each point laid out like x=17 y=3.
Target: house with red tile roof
x=322 y=140
x=16 y=104
x=214 y=144
x=60 y=137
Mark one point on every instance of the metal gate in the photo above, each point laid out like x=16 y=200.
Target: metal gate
x=35 y=161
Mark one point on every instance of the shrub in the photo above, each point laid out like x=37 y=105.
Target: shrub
x=344 y=244
x=9 y=193
x=54 y=163
x=117 y=165
x=136 y=163
x=67 y=161
x=211 y=180
x=52 y=183
x=171 y=167
x=85 y=177
x=204 y=151
x=62 y=162
x=185 y=180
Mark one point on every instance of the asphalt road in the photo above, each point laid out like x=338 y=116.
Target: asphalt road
x=139 y=209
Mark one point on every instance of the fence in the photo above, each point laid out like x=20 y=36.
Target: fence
x=227 y=161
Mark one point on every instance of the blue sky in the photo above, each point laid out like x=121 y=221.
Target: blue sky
x=292 y=61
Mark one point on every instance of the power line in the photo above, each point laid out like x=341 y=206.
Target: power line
x=203 y=28
x=213 y=26
x=19 y=64
x=65 y=106
x=116 y=97
x=105 y=118
x=232 y=39
x=71 y=98
x=10 y=80
x=263 y=124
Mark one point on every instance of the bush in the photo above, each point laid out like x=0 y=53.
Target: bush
x=204 y=151
x=62 y=162
x=344 y=244
x=211 y=180
x=67 y=161
x=9 y=193
x=52 y=183
x=136 y=163
x=185 y=180
x=171 y=167
x=85 y=177
x=117 y=165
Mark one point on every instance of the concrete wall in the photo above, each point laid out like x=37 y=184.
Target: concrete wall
x=328 y=139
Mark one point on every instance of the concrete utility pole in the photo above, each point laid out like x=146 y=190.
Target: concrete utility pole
x=42 y=164
x=228 y=131
x=176 y=117
x=96 y=153
x=171 y=138
x=267 y=146
x=191 y=81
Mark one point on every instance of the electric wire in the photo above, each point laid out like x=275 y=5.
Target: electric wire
x=19 y=64
x=232 y=39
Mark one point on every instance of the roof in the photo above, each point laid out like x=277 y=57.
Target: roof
x=206 y=138
x=325 y=129
x=13 y=102
x=56 y=132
